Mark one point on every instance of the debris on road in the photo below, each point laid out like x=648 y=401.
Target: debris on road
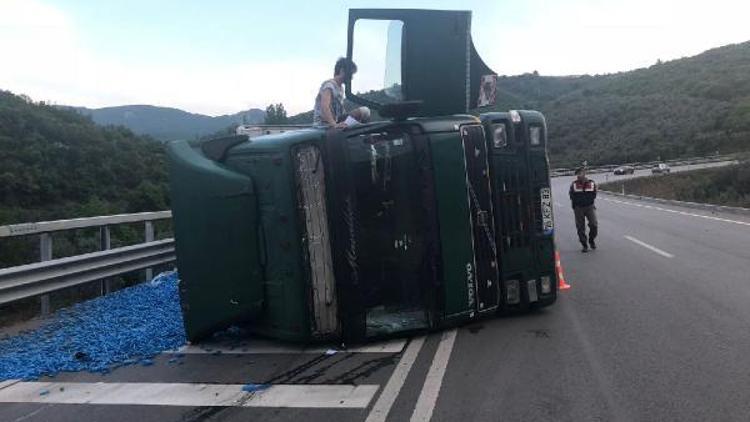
x=252 y=388
x=126 y=327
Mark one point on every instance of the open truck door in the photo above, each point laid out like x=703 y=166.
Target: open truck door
x=432 y=67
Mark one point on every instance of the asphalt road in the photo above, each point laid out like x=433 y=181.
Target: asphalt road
x=655 y=328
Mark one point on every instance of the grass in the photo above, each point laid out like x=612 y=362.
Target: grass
x=728 y=186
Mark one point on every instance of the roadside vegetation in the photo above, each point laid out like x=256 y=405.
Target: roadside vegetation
x=58 y=164
x=728 y=186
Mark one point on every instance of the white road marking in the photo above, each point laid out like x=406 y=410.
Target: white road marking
x=382 y=407
x=434 y=380
x=707 y=217
x=647 y=246
x=269 y=347
x=186 y=394
x=8 y=383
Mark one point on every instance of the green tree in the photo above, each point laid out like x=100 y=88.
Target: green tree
x=276 y=115
x=56 y=163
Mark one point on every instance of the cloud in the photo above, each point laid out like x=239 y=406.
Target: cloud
x=589 y=36
x=44 y=57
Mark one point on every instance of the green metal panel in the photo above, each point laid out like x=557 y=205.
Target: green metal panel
x=214 y=212
x=520 y=171
x=538 y=167
x=286 y=313
x=455 y=223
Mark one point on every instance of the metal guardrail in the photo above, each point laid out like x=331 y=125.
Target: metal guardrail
x=80 y=223
x=646 y=165
x=50 y=274
x=30 y=280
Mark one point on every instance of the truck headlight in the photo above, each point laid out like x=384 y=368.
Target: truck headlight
x=499 y=137
x=535 y=135
x=546 y=284
x=512 y=292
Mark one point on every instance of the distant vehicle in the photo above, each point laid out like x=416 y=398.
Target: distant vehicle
x=624 y=170
x=660 y=169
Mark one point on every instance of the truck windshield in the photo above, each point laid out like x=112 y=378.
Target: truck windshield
x=377 y=53
x=384 y=169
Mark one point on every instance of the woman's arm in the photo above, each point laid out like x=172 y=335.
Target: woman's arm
x=325 y=108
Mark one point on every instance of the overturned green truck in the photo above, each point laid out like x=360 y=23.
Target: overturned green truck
x=429 y=218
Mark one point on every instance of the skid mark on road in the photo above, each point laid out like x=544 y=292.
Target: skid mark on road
x=649 y=247
x=689 y=214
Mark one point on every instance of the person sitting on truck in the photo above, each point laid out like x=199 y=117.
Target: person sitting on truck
x=582 y=195
x=329 y=104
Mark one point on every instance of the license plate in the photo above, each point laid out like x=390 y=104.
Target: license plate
x=548 y=225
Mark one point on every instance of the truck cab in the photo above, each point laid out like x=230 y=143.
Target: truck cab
x=430 y=217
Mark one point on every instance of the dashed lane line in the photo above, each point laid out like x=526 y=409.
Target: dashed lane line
x=649 y=247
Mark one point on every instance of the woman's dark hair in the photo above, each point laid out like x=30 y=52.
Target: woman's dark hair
x=346 y=65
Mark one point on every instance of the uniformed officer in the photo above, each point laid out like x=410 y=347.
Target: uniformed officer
x=582 y=196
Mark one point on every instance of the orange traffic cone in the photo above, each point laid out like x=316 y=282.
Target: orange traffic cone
x=558 y=267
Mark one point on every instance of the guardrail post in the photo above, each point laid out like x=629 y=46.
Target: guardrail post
x=105 y=243
x=623 y=188
x=149 y=238
x=45 y=254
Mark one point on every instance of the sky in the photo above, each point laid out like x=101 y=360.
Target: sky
x=223 y=56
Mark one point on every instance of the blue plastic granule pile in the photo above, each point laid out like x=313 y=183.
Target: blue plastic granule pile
x=129 y=326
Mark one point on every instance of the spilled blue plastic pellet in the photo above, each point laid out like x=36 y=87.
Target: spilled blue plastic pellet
x=126 y=327
x=251 y=388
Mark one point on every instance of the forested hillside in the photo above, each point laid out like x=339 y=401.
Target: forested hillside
x=55 y=163
x=165 y=123
x=690 y=106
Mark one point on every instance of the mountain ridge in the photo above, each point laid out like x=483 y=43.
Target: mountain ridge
x=693 y=105
x=168 y=123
